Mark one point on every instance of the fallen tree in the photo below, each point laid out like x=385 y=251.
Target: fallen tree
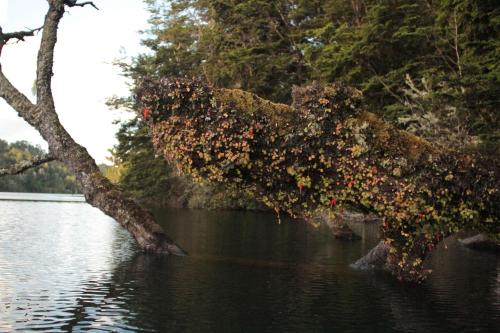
x=42 y=115
x=324 y=153
x=481 y=242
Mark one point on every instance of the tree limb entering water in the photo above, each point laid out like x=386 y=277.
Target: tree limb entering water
x=98 y=191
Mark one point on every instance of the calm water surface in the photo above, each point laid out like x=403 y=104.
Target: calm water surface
x=66 y=267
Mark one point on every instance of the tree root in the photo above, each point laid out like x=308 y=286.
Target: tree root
x=377 y=257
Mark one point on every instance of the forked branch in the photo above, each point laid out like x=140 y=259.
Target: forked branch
x=74 y=3
x=18 y=35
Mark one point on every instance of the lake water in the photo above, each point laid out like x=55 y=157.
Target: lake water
x=65 y=266
x=45 y=197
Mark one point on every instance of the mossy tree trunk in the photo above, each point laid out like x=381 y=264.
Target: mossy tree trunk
x=325 y=152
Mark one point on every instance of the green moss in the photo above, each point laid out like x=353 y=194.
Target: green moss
x=397 y=143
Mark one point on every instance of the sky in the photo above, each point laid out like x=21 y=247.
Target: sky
x=84 y=76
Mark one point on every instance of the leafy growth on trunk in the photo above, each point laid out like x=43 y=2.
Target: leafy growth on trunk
x=324 y=151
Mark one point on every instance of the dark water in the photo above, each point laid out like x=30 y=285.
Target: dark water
x=67 y=267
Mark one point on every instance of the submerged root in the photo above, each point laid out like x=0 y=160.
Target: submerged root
x=377 y=257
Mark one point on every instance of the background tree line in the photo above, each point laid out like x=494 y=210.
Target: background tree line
x=430 y=66
x=51 y=177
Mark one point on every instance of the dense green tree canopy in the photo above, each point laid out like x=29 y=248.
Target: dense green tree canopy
x=244 y=44
x=380 y=47
x=431 y=67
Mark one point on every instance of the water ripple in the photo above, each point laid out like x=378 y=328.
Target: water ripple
x=67 y=267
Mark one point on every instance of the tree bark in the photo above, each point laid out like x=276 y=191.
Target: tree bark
x=481 y=242
x=377 y=257
x=98 y=191
x=25 y=165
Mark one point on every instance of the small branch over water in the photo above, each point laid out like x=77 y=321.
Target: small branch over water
x=25 y=165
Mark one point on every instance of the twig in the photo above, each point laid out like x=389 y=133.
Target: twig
x=19 y=35
x=386 y=86
x=25 y=165
x=71 y=3
x=455 y=40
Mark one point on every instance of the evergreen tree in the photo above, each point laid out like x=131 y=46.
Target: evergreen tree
x=395 y=50
x=144 y=176
x=430 y=66
x=249 y=44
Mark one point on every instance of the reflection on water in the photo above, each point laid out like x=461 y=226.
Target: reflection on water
x=67 y=267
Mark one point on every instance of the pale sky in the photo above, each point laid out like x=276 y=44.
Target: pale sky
x=88 y=42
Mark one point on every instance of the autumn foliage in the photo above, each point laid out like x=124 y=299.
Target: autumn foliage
x=324 y=152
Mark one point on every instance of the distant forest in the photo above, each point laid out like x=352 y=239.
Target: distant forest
x=51 y=177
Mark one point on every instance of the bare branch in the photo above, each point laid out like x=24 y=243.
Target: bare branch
x=73 y=3
x=19 y=35
x=45 y=62
x=385 y=85
x=8 y=92
x=17 y=100
x=25 y=165
x=455 y=40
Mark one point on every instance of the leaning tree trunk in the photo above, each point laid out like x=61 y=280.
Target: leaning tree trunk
x=98 y=191
x=481 y=242
x=325 y=153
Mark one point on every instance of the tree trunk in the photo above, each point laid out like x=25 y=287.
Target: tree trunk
x=98 y=191
x=377 y=257
x=325 y=152
x=481 y=242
